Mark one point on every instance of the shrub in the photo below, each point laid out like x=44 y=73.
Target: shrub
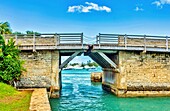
x=10 y=63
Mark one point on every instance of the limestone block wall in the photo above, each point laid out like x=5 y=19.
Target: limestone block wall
x=140 y=42
x=144 y=71
x=42 y=69
x=96 y=77
x=38 y=40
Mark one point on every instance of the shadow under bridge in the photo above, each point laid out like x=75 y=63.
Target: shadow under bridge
x=106 y=59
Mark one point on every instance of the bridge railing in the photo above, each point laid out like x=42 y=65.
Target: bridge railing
x=76 y=39
x=33 y=40
x=126 y=41
x=55 y=39
x=145 y=41
x=70 y=38
x=107 y=39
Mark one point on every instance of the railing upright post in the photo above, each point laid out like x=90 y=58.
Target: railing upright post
x=144 y=43
x=82 y=40
x=166 y=43
x=58 y=39
x=16 y=39
x=96 y=39
x=55 y=37
x=99 y=40
x=34 y=43
x=125 y=41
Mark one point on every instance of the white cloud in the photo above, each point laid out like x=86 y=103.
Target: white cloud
x=138 y=9
x=73 y=8
x=88 y=8
x=160 y=3
x=165 y=1
x=157 y=3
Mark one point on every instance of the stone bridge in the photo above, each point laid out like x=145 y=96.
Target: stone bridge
x=133 y=65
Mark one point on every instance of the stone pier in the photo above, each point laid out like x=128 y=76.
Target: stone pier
x=42 y=70
x=96 y=76
x=140 y=74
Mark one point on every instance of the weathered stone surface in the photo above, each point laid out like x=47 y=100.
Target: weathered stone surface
x=38 y=40
x=142 y=74
x=42 y=69
x=140 y=42
x=96 y=76
x=146 y=71
x=39 y=100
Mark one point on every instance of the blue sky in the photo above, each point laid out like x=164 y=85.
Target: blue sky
x=88 y=16
x=53 y=16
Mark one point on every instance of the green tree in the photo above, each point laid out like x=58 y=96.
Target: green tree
x=74 y=64
x=89 y=63
x=10 y=62
x=17 y=33
x=95 y=64
x=5 y=28
x=31 y=32
x=82 y=64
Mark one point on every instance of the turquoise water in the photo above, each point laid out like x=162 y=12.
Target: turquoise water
x=79 y=94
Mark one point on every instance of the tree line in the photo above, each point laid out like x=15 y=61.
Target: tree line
x=89 y=63
x=5 y=29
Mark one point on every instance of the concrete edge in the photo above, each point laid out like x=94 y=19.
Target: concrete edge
x=39 y=99
x=126 y=93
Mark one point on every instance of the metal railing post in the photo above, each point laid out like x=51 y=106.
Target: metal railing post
x=125 y=41
x=55 y=37
x=34 y=43
x=99 y=40
x=96 y=39
x=166 y=43
x=82 y=40
x=58 y=39
x=144 y=43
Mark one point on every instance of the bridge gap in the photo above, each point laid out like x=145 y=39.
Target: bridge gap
x=108 y=61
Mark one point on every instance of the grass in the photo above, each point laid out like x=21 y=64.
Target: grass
x=13 y=100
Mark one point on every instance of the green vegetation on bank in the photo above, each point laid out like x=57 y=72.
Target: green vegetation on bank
x=6 y=90
x=13 y=100
x=10 y=62
x=10 y=71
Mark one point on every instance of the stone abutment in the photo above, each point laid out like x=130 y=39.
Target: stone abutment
x=42 y=69
x=140 y=74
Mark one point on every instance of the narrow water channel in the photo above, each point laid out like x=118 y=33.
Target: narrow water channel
x=79 y=94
